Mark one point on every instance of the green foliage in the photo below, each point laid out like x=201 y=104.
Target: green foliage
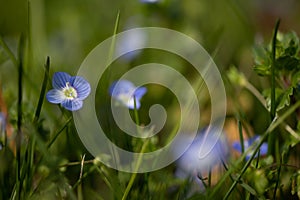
x=287 y=56
x=283 y=97
x=287 y=66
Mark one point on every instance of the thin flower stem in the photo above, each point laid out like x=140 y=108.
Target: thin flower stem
x=256 y=93
x=131 y=181
x=92 y=169
x=136 y=113
x=79 y=188
x=77 y=163
x=133 y=176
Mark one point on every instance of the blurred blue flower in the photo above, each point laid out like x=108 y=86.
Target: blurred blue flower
x=69 y=91
x=2 y=123
x=124 y=92
x=135 y=40
x=206 y=150
x=2 y=127
x=248 y=143
x=149 y=1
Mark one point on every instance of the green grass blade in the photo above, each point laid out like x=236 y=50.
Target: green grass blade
x=271 y=139
x=241 y=135
x=9 y=52
x=19 y=117
x=43 y=91
x=273 y=98
x=58 y=132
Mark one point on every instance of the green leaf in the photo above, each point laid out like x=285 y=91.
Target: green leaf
x=282 y=97
x=289 y=42
x=262 y=70
x=262 y=60
x=236 y=77
x=295 y=184
x=287 y=50
x=296 y=79
x=287 y=62
x=250 y=189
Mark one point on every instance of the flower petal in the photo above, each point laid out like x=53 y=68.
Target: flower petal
x=60 y=79
x=139 y=92
x=248 y=143
x=55 y=96
x=81 y=86
x=263 y=149
x=237 y=146
x=130 y=104
x=72 y=105
x=121 y=87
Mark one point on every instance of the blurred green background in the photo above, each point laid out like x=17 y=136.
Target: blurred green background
x=68 y=30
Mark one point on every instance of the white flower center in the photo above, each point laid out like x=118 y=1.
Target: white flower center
x=69 y=91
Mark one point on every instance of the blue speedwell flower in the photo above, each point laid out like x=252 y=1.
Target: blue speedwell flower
x=69 y=91
x=206 y=150
x=247 y=143
x=125 y=91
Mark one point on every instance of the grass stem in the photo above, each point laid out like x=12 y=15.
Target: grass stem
x=272 y=137
x=19 y=110
x=43 y=91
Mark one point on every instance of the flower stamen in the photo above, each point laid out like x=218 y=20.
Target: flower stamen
x=69 y=91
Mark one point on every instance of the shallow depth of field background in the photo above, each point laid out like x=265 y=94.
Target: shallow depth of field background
x=68 y=30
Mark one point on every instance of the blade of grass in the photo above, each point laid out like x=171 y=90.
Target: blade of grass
x=111 y=180
x=58 y=132
x=241 y=135
x=273 y=103
x=278 y=178
x=275 y=123
x=272 y=137
x=133 y=176
x=32 y=142
x=43 y=91
x=109 y=121
x=8 y=51
x=19 y=108
x=113 y=43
